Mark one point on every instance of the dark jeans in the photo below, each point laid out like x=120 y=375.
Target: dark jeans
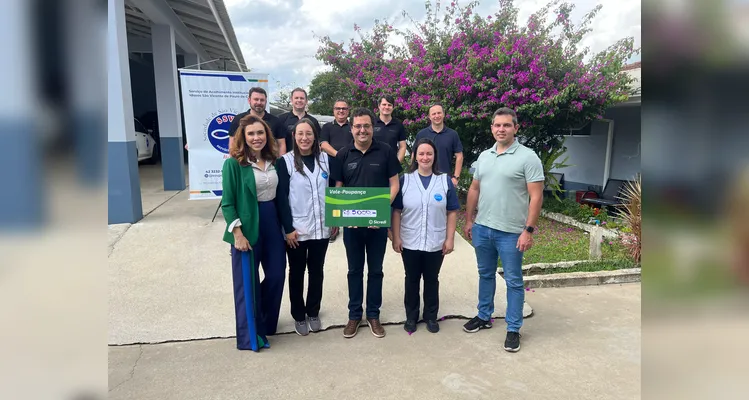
x=418 y=264
x=270 y=251
x=310 y=255
x=361 y=242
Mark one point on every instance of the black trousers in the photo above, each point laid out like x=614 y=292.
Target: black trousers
x=310 y=255
x=364 y=243
x=418 y=264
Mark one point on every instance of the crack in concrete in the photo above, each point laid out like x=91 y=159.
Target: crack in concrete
x=111 y=249
x=331 y=327
x=164 y=202
x=132 y=371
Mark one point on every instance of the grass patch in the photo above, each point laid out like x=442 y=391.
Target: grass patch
x=555 y=242
x=602 y=265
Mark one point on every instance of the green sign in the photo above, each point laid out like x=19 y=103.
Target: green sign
x=357 y=206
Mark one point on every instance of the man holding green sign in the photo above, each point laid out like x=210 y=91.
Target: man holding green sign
x=366 y=175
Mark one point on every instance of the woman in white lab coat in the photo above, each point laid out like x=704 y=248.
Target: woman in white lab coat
x=424 y=219
x=302 y=178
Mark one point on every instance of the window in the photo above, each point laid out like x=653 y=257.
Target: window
x=139 y=127
x=582 y=131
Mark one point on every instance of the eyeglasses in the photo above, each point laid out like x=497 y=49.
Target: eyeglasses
x=366 y=127
x=340 y=108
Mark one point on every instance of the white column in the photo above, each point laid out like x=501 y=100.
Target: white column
x=609 y=149
x=167 y=105
x=86 y=43
x=123 y=181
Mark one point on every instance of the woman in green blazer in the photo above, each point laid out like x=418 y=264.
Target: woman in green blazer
x=253 y=230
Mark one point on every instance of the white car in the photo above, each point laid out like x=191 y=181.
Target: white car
x=148 y=148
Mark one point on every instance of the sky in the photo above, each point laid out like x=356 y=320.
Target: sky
x=280 y=37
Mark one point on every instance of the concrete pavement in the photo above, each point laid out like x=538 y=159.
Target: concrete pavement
x=171 y=327
x=580 y=343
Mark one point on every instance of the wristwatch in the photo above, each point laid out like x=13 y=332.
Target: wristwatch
x=529 y=229
x=456 y=177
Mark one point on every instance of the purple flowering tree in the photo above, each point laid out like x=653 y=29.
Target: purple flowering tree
x=474 y=65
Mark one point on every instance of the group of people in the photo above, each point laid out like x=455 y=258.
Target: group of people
x=273 y=201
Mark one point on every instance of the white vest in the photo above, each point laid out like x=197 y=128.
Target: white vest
x=307 y=198
x=424 y=217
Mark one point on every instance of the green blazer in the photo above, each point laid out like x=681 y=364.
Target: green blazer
x=239 y=200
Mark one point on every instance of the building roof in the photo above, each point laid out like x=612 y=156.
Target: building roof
x=634 y=70
x=201 y=27
x=634 y=65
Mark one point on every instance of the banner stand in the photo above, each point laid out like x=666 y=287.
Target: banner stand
x=216 y=213
x=210 y=101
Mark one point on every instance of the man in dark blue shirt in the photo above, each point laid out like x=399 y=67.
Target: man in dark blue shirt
x=447 y=142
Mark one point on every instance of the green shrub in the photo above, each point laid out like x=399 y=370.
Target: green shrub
x=580 y=212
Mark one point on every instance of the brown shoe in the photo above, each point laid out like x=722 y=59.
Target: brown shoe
x=377 y=329
x=351 y=328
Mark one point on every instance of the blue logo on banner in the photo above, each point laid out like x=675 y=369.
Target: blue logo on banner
x=218 y=132
x=438 y=197
x=324 y=175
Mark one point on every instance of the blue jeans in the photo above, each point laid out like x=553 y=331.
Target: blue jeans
x=492 y=245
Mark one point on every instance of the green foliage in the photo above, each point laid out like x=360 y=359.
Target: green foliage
x=555 y=242
x=549 y=161
x=324 y=90
x=594 y=266
x=283 y=96
x=473 y=65
x=632 y=216
x=580 y=212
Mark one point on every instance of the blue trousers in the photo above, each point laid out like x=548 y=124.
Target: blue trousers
x=492 y=245
x=264 y=298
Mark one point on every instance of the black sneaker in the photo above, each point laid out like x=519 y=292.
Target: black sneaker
x=512 y=342
x=433 y=326
x=475 y=324
x=410 y=326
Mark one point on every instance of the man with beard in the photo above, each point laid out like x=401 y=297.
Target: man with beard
x=257 y=99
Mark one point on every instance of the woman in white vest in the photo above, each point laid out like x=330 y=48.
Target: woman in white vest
x=302 y=179
x=424 y=218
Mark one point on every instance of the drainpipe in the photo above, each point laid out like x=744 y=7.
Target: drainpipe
x=223 y=31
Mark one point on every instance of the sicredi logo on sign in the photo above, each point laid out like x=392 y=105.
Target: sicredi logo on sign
x=359 y=213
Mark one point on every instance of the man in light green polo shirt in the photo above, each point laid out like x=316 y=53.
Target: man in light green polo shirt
x=508 y=187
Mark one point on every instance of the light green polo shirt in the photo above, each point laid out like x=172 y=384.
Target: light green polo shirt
x=503 y=193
